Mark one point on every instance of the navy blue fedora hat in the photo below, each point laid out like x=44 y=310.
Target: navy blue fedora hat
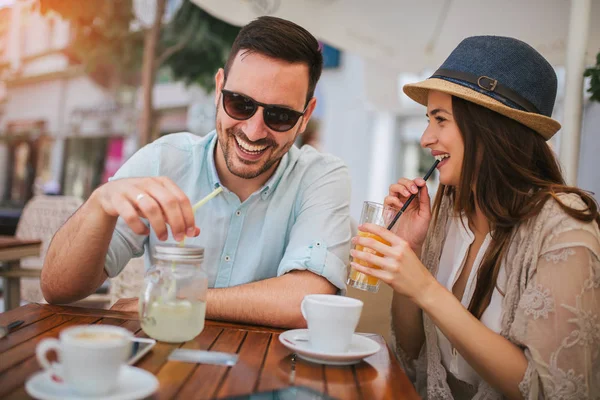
x=503 y=74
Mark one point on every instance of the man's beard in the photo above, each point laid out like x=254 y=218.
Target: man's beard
x=229 y=153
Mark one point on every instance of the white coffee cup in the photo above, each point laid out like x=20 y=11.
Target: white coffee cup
x=331 y=321
x=90 y=357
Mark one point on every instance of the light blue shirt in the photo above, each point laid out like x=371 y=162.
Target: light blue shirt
x=299 y=220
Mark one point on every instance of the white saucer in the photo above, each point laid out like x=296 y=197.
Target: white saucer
x=134 y=383
x=297 y=341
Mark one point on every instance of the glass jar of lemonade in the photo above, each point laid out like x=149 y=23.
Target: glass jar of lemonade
x=172 y=304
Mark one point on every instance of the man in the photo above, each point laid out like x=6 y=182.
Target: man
x=279 y=230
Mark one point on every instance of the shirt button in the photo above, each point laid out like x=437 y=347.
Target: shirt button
x=227 y=258
x=238 y=213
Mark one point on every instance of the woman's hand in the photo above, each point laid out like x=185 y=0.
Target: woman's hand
x=412 y=226
x=400 y=266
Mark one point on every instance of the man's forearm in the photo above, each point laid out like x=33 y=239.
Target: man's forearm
x=271 y=302
x=74 y=264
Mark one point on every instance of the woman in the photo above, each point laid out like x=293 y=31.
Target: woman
x=497 y=290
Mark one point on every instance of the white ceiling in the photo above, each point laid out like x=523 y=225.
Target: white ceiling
x=410 y=36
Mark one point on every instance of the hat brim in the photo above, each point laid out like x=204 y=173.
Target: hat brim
x=419 y=91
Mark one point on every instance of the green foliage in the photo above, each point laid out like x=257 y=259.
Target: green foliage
x=207 y=44
x=594 y=74
x=102 y=38
x=112 y=52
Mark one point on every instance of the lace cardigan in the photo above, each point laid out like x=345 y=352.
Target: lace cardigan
x=551 y=310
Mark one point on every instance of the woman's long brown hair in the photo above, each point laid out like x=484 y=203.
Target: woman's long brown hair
x=510 y=171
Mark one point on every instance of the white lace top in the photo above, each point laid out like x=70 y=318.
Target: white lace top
x=458 y=240
x=551 y=309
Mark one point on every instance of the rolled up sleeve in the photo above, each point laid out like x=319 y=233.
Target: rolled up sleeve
x=126 y=244
x=320 y=236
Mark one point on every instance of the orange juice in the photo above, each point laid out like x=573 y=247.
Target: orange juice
x=358 y=277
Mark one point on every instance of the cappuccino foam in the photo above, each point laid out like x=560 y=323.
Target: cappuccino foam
x=98 y=336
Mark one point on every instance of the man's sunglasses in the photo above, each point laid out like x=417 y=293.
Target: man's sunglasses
x=277 y=118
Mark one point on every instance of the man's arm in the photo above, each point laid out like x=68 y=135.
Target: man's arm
x=74 y=264
x=271 y=302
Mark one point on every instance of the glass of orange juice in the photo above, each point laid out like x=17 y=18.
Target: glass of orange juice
x=377 y=214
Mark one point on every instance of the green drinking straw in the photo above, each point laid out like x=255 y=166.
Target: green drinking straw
x=202 y=202
x=207 y=198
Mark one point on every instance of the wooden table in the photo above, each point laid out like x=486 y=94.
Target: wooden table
x=264 y=363
x=12 y=250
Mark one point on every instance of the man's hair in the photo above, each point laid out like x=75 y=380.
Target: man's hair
x=282 y=40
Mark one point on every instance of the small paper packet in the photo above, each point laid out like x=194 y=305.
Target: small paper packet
x=203 y=357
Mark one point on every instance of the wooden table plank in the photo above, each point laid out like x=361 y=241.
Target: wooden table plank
x=7 y=242
x=341 y=383
x=134 y=326
x=29 y=313
x=276 y=370
x=243 y=377
x=30 y=331
x=282 y=369
x=246 y=327
x=175 y=373
x=309 y=374
x=25 y=350
x=111 y=321
x=21 y=359
x=381 y=376
x=206 y=379
x=19 y=394
x=18 y=374
x=12 y=248
x=93 y=312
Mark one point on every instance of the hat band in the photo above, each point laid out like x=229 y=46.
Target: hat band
x=488 y=85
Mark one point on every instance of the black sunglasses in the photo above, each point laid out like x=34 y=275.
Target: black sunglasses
x=277 y=118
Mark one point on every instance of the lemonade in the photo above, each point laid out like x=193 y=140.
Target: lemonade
x=358 y=279
x=174 y=321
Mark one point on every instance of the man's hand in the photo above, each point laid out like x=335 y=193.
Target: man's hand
x=127 y=305
x=159 y=200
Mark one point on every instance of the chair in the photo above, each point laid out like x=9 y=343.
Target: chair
x=41 y=218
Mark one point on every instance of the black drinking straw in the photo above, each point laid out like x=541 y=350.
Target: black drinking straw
x=412 y=196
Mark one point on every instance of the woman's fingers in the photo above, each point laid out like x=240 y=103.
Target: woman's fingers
x=384 y=263
x=375 y=273
x=402 y=189
x=370 y=243
x=393 y=201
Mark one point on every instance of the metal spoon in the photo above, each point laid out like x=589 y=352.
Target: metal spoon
x=5 y=329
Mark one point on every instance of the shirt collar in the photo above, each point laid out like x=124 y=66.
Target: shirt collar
x=267 y=188
x=212 y=168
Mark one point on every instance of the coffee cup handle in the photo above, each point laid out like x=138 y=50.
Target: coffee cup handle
x=302 y=309
x=42 y=349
